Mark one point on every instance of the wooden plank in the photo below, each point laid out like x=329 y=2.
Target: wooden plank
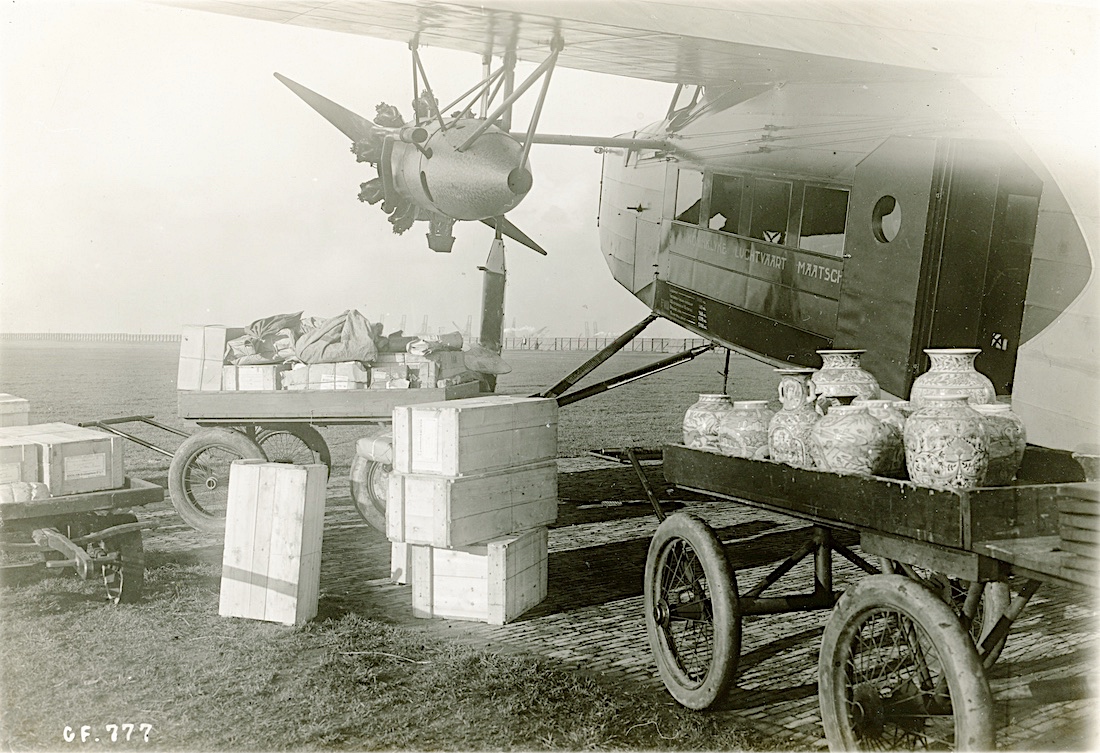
x=1042 y=557
x=1082 y=535
x=314 y=405
x=452 y=512
x=134 y=493
x=1086 y=550
x=1087 y=522
x=953 y=563
x=1078 y=506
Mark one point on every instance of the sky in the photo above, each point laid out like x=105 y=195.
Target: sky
x=153 y=173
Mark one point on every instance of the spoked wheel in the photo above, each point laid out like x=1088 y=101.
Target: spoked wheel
x=691 y=611
x=198 y=478
x=124 y=575
x=298 y=444
x=898 y=672
x=977 y=605
x=369 y=490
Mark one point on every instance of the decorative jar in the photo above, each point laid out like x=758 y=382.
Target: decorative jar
x=945 y=444
x=1007 y=439
x=840 y=375
x=789 y=429
x=743 y=432
x=701 y=421
x=952 y=373
x=886 y=411
x=850 y=440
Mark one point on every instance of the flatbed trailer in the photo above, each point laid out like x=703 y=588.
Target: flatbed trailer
x=94 y=533
x=905 y=651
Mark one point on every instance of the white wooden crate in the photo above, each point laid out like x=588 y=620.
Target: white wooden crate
x=14 y=411
x=449 y=512
x=73 y=459
x=476 y=435
x=495 y=581
x=20 y=460
x=253 y=377
x=271 y=561
x=400 y=556
x=202 y=355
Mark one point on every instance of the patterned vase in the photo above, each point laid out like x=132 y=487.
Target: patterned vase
x=886 y=411
x=789 y=429
x=841 y=376
x=945 y=444
x=1007 y=439
x=743 y=432
x=952 y=373
x=701 y=421
x=850 y=440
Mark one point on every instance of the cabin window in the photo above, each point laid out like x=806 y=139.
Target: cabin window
x=771 y=203
x=824 y=214
x=689 y=195
x=725 y=203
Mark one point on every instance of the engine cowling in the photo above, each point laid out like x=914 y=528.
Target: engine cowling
x=484 y=181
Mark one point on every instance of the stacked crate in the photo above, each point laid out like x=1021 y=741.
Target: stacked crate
x=474 y=487
x=68 y=459
x=1079 y=526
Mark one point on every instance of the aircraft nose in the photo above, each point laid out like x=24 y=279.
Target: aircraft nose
x=520 y=181
x=483 y=181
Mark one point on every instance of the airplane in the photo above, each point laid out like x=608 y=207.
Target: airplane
x=886 y=177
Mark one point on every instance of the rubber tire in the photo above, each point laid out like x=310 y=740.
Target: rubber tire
x=309 y=437
x=996 y=597
x=363 y=476
x=726 y=617
x=234 y=443
x=971 y=700
x=131 y=552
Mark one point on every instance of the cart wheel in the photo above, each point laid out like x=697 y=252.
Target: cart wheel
x=898 y=672
x=369 y=489
x=691 y=611
x=198 y=478
x=125 y=577
x=979 y=618
x=298 y=444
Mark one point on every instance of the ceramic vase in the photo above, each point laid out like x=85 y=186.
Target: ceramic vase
x=1007 y=439
x=743 y=432
x=850 y=440
x=701 y=421
x=945 y=444
x=789 y=429
x=952 y=373
x=887 y=412
x=841 y=376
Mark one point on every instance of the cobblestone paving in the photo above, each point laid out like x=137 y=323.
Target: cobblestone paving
x=1044 y=685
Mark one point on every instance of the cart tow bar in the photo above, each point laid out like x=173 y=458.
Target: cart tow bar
x=78 y=558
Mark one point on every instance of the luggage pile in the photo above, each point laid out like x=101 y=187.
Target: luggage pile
x=473 y=488
x=39 y=461
x=346 y=352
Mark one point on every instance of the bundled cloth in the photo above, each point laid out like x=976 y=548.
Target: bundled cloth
x=347 y=337
x=269 y=340
x=422 y=346
x=484 y=361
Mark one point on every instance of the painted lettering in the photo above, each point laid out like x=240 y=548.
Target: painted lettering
x=818 y=272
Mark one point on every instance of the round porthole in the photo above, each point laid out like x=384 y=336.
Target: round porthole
x=886 y=219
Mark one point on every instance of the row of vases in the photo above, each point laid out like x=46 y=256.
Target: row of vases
x=951 y=433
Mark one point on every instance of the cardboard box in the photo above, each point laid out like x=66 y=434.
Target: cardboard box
x=271 y=560
x=73 y=459
x=347 y=375
x=20 y=460
x=202 y=355
x=495 y=581
x=253 y=377
x=14 y=411
x=475 y=435
x=449 y=512
x=382 y=374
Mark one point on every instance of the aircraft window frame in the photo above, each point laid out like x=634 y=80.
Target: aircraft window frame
x=697 y=204
x=731 y=223
x=826 y=244
x=781 y=238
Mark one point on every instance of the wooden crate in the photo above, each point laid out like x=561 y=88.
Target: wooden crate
x=271 y=561
x=400 y=557
x=449 y=512
x=14 y=411
x=202 y=355
x=495 y=581
x=72 y=459
x=252 y=377
x=1079 y=524
x=462 y=437
x=20 y=460
x=346 y=375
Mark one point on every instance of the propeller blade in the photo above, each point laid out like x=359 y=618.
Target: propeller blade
x=354 y=126
x=507 y=228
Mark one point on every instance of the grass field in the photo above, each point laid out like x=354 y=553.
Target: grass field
x=201 y=682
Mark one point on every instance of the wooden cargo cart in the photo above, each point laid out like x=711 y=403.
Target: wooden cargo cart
x=94 y=533
x=904 y=652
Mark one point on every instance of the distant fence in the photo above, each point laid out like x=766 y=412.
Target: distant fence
x=638 y=345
